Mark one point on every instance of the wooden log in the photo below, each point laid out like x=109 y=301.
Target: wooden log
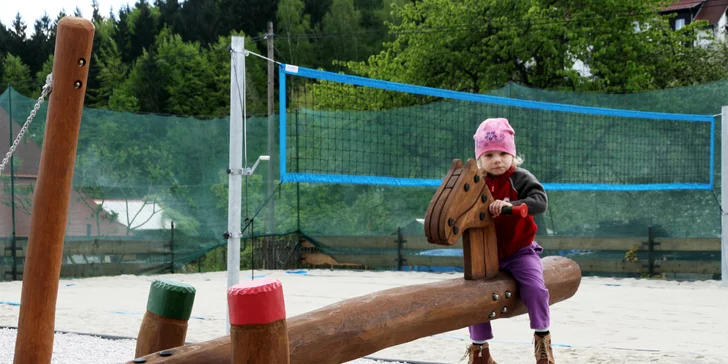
x=360 y=326
x=164 y=325
x=36 y=322
x=258 y=330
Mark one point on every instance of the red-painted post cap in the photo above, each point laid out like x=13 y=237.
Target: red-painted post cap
x=256 y=302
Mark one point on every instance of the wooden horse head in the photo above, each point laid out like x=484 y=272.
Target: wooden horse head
x=460 y=208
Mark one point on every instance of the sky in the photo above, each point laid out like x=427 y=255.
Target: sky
x=32 y=10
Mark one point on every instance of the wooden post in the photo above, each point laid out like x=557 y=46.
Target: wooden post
x=258 y=331
x=164 y=325
x=36 y=323
x=400 y=242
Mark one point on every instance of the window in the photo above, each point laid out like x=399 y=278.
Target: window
x=679 y=23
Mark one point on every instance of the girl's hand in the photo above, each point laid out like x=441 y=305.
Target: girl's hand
x=496 y=207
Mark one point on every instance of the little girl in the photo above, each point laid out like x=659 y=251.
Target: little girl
x=518 y=253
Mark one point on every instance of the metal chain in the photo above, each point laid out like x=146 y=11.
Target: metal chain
x=46 y=90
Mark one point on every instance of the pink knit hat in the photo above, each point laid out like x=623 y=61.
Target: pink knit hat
x=495 y=134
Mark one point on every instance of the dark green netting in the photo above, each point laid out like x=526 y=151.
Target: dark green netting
x=177 y=165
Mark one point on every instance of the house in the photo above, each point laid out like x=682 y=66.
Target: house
x=137 y=214
x=83 y=221
x=715 y=12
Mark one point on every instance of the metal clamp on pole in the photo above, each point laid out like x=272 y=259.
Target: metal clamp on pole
x=249 y=171
x=227 y=235
x=235 y=171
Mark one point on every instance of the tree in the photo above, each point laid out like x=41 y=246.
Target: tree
x=479 y=45
x=342 y=19
x=291 y=20
x=143 y=23
x=16 y=74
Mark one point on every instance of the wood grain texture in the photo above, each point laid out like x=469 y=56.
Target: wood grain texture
x=460 y=203
x=360 y=326
x=431 y=231
x=260 y=344
x=42 y=269
x=474 y=254
x=159 y=333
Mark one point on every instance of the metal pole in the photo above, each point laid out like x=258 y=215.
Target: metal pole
x=14 y=242
x=724 y=194
x=171 y=247
x=298 y=184
x=237 y=98
x=271 y=130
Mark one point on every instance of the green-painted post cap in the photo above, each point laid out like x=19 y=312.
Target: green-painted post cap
x=171 y=299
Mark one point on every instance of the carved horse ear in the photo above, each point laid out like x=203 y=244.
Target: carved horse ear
x=460 y=203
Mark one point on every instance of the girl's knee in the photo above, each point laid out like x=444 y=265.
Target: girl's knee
x=534 y=292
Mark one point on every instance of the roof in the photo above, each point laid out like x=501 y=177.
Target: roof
x=709 y=10
x=682 y=5
x=28 y=152
x=137 y=214
x=82 y=219
x=712 y=11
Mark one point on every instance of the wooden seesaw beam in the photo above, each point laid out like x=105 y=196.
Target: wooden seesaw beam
x=360 y=326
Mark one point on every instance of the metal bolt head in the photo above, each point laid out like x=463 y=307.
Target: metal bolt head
x=139 y=360
x=455 y=230
x=476 y=178
x=492 y=314
x=77 y=84
x=484 y=198
x=508 y=294
x=81 y=62
x=165 y=353
x=495 y=297
x=504 y=309
x=482 y=216
x=467 y=187
x=451 y=221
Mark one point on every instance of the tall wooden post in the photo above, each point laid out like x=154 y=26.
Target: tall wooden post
x=34 y=343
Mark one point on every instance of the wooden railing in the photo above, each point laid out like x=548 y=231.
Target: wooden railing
x=662 y=253
x=92 y=258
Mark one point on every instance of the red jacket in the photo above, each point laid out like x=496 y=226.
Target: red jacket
x=516 y=186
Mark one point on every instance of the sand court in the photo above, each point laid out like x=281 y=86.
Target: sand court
x=607 y=321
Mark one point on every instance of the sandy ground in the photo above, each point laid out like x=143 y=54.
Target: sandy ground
x=607 y=321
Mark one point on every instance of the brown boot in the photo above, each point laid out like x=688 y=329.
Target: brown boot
x=542 y=349
x=478 y=354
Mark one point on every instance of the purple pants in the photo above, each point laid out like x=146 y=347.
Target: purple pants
x=526 y=268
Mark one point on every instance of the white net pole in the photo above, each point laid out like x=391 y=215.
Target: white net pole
x=235 y=172
x=724 y=194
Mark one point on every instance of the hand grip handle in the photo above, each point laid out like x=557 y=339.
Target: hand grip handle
x=520 y=210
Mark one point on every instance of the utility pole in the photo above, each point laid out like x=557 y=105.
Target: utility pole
x=271 y=129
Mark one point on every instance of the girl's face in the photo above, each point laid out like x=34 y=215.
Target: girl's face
x=495 y=162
